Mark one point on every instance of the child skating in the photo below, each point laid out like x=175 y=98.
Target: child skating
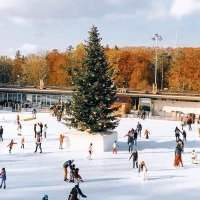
x=115 y=147
x=10 y=145
x=143 y=170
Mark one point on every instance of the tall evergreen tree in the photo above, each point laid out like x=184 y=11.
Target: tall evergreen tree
x=91 y=106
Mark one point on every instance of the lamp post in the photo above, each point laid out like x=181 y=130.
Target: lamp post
x=18 y=80
x=156 y=38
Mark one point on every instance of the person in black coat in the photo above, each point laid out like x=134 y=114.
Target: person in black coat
x=177 y=133
x=67 y=164
x=134 y=156
x=1 y=133
x=184 y=135
x=75 y=192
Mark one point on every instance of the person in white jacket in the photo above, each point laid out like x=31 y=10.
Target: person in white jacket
x=194 y=157
x=143 y=170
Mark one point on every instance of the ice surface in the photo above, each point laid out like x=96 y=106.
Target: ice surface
x=107 y=176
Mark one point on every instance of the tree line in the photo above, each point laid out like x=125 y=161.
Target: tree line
x=133 y=67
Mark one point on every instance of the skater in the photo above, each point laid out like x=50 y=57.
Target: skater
x=135 y=135
x=114 y=147
x=194 y=157
x=38 y=143
x=19 y=129
x=177 y=133
x=184 y=135
x=134 y=156
x=130 y=140
x=35 y=130
x=10 y=145
x=18 y=119
x=3 y=178
x=178 y=155
x=90 y=151
x=65 y=167
x=41 y=128
x=1 y=133
x=75 y=192
x=139 y=128
x=77 y=176
x=34 y=112
x=45 y=131
x=143 y=116
x=189 y=122
x=45 y=197
x=22 y=142
x=146 y=134
x=71 y=173
x=61 y=140
x=143 y=170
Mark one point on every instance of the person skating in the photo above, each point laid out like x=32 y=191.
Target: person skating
x=177 y=133
x=19 y=129
x=41 y=128
x=3 y=178
x=22 y=142
x=75 y=192
x=71 y=173
x=130 y=140
x=34 y=112
x=178 y=155
x=134 y=156
x=114 y=147
x=194 y=157
x=139 y=128
x=45 y=131
x=77 y=176
x=61 y=140
x=1 y=133
x=66 y=165
x=189 y=122
x=90 y=151
x=184 y=135
x=143 y=170
x=135 y=135
x=18 y=119
x=146 y=134
x=10 y=145
x=38 y=143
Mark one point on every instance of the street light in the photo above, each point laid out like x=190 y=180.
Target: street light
x=156 y=38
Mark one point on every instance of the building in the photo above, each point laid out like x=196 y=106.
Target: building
x=162 y=104
x=32 y=97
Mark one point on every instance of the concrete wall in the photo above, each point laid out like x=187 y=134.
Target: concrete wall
x=157 y=105
x=80 y=141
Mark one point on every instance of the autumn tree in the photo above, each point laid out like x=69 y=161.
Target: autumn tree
x=34 y=69
x=17 y=70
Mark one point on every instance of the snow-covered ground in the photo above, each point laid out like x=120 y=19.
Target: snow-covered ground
x=107 y=176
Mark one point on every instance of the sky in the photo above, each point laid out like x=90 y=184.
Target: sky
x=38 y=25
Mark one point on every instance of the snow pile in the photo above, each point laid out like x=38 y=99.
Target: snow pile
x=185 y=110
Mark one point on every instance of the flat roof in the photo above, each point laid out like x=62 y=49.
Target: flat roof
x=130 y=93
